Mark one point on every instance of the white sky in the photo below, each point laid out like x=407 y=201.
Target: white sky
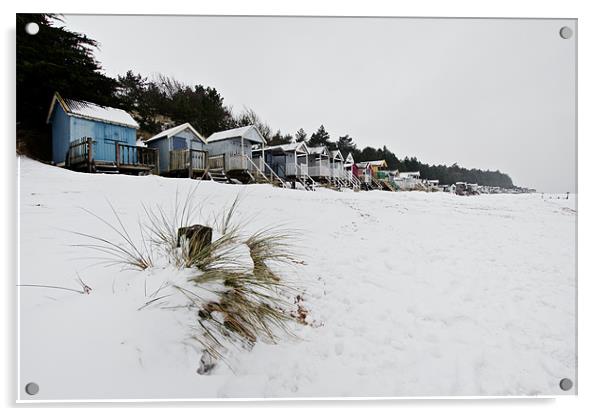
x=490 y=94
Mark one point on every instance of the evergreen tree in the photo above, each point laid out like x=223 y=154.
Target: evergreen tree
x=130 y=91
x=53 y=60
x=320 y=138
x=278 y=138
x=300 y=136
x=445 y=174
x=345 y=145
x=201 y=106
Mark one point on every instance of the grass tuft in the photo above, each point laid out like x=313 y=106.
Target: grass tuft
x=248 y=304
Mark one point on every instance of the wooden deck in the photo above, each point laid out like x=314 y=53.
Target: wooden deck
x=128 y=158
x=189 y=162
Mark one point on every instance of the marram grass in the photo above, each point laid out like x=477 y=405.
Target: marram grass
x=253 y=303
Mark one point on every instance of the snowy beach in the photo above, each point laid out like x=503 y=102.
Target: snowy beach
x=408 y=293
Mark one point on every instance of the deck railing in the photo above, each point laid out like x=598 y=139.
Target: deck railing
x=127 y=155
x=268 y=174
x=187 y=159
x=337 y=172
x=295 y=169
x=302 y=169
x=216 y=162
x=237 y=162
x=353 y=179
x=80 y=151
x=321 y=170
x=80 y=155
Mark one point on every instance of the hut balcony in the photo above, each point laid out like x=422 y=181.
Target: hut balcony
x=296 y=169
x=320 y=169
x=93 y=156
x=190 y=160
x=135 y=158
x=338 y=172
x=233 y=162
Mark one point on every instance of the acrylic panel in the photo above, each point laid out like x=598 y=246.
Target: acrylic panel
x=295 y=207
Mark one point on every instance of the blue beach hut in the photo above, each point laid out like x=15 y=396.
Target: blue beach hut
x=92 y=137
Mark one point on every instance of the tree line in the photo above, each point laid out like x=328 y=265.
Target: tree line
x=57 y=59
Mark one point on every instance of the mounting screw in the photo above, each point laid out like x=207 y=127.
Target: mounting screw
x=32 y=28
x=566 y=32
x=32 y=389
x=566 y=384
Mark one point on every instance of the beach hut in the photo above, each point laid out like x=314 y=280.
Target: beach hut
x=319 y=163
x=349 y=161
x=472 y=188
x=288 y=161
x=379 y=168
x=95 y=138
x=351 y=171
x=408 y=181
x=432 y=185
x=230 y=153
x=182 y=151
x=337 y=172
x=364 y=170
x=379 y=175
x=461 y=188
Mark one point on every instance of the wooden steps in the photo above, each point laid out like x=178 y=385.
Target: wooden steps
x=110 y=168
x=218 y=175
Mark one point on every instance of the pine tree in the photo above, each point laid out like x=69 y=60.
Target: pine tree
x=320 y=138
x=300 y=136
x=55 y=59
x=130 y=90
x=345 y=144
x=278 y=138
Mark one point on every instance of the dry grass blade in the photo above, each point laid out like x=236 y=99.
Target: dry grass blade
x=237 y=304
x=271 y=245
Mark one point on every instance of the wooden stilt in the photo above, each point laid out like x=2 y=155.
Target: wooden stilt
x=89 y=145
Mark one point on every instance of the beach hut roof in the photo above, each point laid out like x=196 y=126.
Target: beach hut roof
x=409 y=174
x=175 y=130
x=319 y=150
x=250 y=133
x=349 y=158
x=379 y=163
x=336 y=154
x=91 y=111
x=290 y=147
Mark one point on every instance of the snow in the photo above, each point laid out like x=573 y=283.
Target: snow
x=98 y=112
x=236 y=132
x=175 y=130
x=409 y=294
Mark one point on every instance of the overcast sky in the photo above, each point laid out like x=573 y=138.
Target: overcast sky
x=490 y=94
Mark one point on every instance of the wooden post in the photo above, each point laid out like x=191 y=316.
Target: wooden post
x=157 y=171
x=89 y=146
x=262 y=157
x=242 y=151
x=117 y=158
x=190 y=172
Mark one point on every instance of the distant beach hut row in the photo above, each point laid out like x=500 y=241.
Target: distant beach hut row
x=93 y=138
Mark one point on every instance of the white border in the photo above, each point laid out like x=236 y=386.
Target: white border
x=590 y=151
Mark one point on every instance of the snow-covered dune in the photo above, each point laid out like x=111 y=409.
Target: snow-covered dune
x=410 y=294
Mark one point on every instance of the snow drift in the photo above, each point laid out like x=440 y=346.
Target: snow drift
x=409 y=294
